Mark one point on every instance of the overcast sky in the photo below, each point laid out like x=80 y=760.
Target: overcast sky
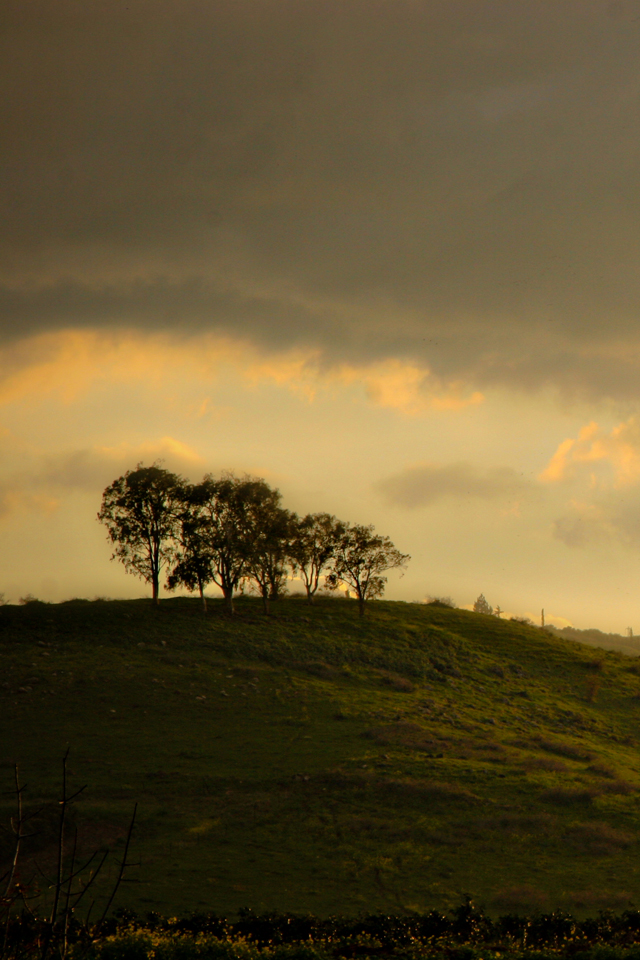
x=384 y=254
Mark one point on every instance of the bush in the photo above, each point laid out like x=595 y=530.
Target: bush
x=447 y=602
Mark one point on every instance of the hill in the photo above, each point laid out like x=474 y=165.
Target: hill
x=605 y=641
x=316 y=762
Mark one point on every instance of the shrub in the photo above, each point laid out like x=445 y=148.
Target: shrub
x=569 y=796
x=28 y=598
x=400 y=684
x=447 y=602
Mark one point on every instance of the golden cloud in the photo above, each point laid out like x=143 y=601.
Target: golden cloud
x=619 y=449
x=69 y=363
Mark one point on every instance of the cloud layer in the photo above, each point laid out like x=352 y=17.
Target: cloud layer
x=454 y=185
x=422 y=485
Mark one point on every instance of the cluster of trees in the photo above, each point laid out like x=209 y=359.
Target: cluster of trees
x=232 y=530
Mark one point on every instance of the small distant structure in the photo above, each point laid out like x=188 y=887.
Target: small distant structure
x=542 y=618
x=630 y=632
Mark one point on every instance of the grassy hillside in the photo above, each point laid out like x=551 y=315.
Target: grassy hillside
x=312 y=761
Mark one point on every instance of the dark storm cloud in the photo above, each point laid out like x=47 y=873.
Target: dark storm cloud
x=457 y=183
x=421 y=486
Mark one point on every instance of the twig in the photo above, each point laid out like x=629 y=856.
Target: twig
x=123 y=865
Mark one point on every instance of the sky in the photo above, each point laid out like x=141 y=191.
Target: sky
x=383 y=253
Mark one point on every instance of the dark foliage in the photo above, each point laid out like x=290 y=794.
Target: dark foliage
x=458 y=934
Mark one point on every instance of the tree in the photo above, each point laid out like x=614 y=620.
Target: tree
x=312 y=547
x=269 y=531
x=141 y=511
x=482 y=605
x=191 y=561
x=360 y=559
x=217 y=536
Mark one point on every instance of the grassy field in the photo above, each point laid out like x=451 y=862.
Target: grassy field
x=315 y=762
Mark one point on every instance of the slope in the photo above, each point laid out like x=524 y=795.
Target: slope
x=313 y=761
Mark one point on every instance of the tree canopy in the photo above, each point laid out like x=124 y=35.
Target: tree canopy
x=313 y=547
x=361 y=558
x=141 y=512
x=231 y=530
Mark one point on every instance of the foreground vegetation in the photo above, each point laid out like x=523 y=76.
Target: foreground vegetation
x=465 y=933
x=315 y=762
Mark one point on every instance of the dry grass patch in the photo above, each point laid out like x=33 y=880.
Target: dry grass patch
x=621 y=787
x=375 y=827
x=429 y=790
x=599 y=899
x=318 y=668
x=403 y=734
x=570 y=750
x=603 y=770
x=520 y=897
x=569 y=796
x=486 y=750
x=545 y=763
x=598 y=838
x=518 y=824
x=396 y=682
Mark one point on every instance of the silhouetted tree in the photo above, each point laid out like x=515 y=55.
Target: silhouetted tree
x=313 y=546
x=361 y=557
x=217 y=535
x=269 y=530
x=482 y=605
x=141 y=511
x=192 y=560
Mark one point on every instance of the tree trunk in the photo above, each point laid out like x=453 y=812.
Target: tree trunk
x=309 y=594
x=361 y=605
x=155 y=588
x=202 y=597
x=227 y=593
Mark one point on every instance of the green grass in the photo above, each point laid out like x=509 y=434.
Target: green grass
x=316 y=762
